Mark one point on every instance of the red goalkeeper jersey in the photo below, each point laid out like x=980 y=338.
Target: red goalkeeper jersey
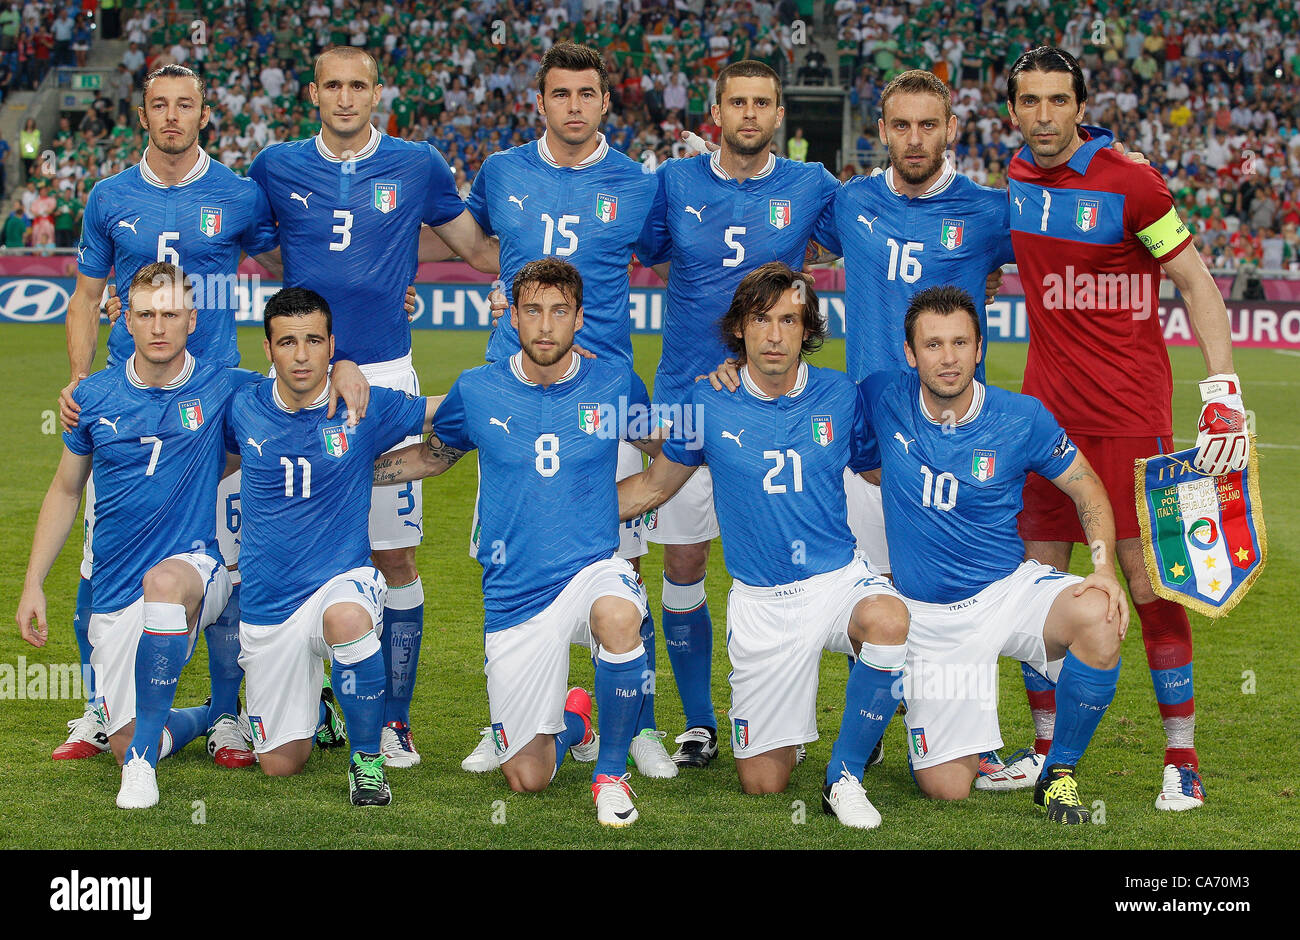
x=1089 y=238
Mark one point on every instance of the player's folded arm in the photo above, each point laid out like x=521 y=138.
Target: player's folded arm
x=644 y=491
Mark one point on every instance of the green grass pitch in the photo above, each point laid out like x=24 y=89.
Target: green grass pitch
x=1246 y=739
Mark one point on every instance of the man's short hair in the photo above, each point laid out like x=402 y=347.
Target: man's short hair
x=159 y=276
x=296 y=302
x=918 y=81
x=942 y=300
x=347 y=52
x=572 y=57
x=747 y=68
x=758 y=293
x=549 y=272
x=1047 y=59
x=174 y=71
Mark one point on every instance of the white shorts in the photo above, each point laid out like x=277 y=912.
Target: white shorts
x=229 y=519
x=688 y=518
x=115 y=637
x=396 y=511
x=631 y=534
x=951 y=685
x=867 y=520
x=527 y=665
x=284 y=663
x=775 y=639
x=87 y=530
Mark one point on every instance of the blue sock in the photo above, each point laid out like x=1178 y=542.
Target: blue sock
x=647 y=717
x=870 y=700
x=1082 y=696
x=403 y=630
x=688 y=636
x=223 y=661
x=184 y=725
x=358 y=678
x=575 y=729
x=164 y=647
x=618 y=699
x=81 y=627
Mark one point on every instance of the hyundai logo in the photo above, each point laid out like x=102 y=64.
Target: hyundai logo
x=32 y=301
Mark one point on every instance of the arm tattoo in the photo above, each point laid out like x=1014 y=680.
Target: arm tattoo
x=437 y=450
x=387 y=469
x=1083 y=473
x=1090 y=518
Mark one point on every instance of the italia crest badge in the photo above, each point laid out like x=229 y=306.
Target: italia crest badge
x=258 y=727
x=191 y=414
x=606 y=207
x=386 y=196
x=778 y=212
x=499 y=738
x=822 y=431
x=210 y=221
x=588 y=418
x=336 y=440
x=916 y=737
x=982 y=464
x=742 y=732
x=1086 y=213
x=950 y=233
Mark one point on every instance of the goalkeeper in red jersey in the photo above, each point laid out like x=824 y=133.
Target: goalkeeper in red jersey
x=1091 y=233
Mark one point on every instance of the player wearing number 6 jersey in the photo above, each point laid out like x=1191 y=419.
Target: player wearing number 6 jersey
x=350 y=203
x=1092 y=233
x=778 y=448
x=951 y=494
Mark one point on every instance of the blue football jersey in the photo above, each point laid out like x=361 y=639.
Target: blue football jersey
x=306 y=491
x=350 y=231
x=895 y=246
x=157 y=458
x=778 y=473
x=548 y=504
x=591 y=216
x=201 y=224
x=715 y=230
x=952 y=492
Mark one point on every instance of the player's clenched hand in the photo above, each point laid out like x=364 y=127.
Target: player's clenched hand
x=1104 y=579
x=499 y=306
x=348 y=383
x=1137 y=156
x=724 y=375
x=113 y=307
x=69 y=410
x=992 y=284
x=409 y=303
x=1222 y=439
x=32 y=607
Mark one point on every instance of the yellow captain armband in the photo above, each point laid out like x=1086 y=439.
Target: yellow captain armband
x=1164 y=235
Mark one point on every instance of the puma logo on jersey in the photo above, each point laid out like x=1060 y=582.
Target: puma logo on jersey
x=112 y=424
x=414 y=525
x=727 y=435
x=696 y=212
x=519 y=202
x=257 y=444
x=863 y=220
x=123 y=223
x=302 y=199
x=1020 y=204
x=898 y=436
x=504 y=425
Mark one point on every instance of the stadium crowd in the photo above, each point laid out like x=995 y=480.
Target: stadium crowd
x=1210 y=93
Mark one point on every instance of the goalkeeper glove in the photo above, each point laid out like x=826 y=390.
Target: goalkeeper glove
x=1222 y=440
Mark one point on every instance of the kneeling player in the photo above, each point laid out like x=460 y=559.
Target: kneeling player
x=777 y=449
x=546 y=424
x=954 y=456
x=309 y=590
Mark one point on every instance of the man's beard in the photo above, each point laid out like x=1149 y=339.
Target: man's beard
x=919 y=174
x=742 y=149
x=557 y=354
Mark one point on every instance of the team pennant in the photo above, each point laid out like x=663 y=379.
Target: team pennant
x=1203 y=537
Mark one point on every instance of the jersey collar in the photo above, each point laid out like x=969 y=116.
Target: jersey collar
x=544 y=150
x=715 y=164
x=946 y=176
x=184 y=376
x=973 y=412
x=200 y=167
x=800 y=382
x=517 y=367
x=371 y=146
x=320 y=402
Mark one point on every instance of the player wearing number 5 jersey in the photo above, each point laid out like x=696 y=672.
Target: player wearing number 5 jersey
x=951 y=495
x=350 y=203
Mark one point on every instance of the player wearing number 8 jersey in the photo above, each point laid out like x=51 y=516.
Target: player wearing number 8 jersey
x=1092 y=233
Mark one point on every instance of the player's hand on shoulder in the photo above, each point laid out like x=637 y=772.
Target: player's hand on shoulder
x=1137 y=156
x=583 y=351
x=697 y=145
x=1103 y=579
x=727 y=375
x=32 y=607
x=69 y=410
x=113 y=307
x=347 y=383
x=497 y=299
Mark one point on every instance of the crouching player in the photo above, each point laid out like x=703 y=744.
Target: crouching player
x=954 y=456
x=777 y=449
x=546 y=423
x=151 y=433
x=309 y=590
